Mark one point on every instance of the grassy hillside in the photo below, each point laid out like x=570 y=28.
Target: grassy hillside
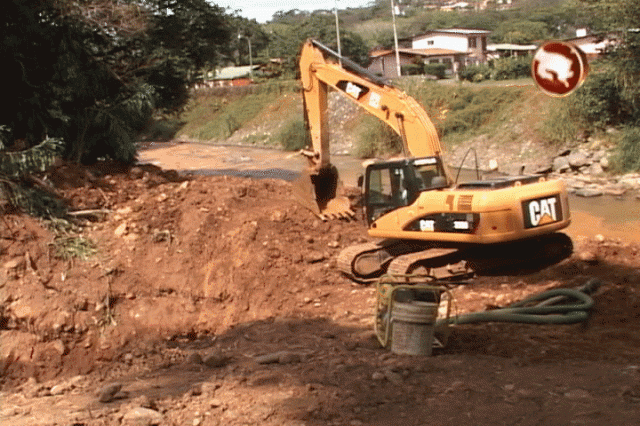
x=502 y=114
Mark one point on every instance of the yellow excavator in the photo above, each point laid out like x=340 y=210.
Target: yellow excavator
x=423 y=220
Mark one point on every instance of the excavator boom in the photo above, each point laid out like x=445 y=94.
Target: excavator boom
x=321 y=69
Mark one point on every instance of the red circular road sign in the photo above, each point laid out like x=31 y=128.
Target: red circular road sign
x=559 y=68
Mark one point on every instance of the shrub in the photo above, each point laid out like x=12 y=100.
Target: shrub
x=475 y=73
x=376 y=138
x=511 y=68
x=598 y=102
x=437 y=70
x=560 y=124
x=411 y=69
x=627 y=152
x=294 y=136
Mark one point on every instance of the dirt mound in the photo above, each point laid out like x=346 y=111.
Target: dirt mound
x=215 y=300
x=174 y=255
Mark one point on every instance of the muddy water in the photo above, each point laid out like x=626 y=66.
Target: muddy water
x=613 y=218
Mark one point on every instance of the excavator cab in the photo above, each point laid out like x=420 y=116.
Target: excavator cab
x=390 y=185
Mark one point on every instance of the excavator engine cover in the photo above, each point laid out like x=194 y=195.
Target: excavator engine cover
x=319 y=193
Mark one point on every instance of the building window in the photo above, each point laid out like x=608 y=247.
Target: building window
x=429 y=42
x=472 y=42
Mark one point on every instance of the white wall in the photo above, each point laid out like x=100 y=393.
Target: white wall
x=456 y=42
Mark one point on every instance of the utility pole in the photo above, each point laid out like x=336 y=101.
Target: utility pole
x=395 y=39
x=338 y=32
x=250 y=56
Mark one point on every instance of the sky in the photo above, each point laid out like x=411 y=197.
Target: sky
x=263 y=10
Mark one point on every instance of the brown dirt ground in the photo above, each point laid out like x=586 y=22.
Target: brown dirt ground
x=196 y=279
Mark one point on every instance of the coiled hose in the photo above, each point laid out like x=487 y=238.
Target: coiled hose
x=557 y=306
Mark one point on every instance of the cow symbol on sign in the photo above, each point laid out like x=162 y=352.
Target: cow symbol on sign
x=554 y=66
x=559 y=68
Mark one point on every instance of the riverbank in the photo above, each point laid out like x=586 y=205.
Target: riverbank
x=512 y=147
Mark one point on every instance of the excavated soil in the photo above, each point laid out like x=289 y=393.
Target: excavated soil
x=216 y=301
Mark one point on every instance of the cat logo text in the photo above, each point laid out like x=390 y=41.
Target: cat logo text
x=541 y=211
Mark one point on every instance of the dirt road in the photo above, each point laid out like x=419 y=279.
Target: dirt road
x=214 y=300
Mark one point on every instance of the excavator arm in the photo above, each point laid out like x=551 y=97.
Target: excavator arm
x=321 y=69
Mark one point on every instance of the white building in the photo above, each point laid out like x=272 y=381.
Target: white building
x=455 y=47
x=470 y=41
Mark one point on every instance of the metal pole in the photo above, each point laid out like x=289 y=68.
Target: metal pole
x=338 y=32
x=250 y=59
x=395 y=39
x=250 y=55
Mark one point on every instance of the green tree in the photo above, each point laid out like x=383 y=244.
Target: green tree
x=92 y=72
x=520 y=32
x=286 y=40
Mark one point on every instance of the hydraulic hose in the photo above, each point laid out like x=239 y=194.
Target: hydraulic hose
x=557 y=306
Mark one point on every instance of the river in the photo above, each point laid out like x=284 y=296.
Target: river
x=607 y=216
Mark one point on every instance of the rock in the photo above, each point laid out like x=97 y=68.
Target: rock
x=145 y=402
x=578 y=159
x=290 y=358
x=595 y=169
x=59 y=389
x=588 y=257
x=209 y=388
x=604 y=163
x=589 y=192
x=109 y=393
x=141 y=416
x=194 y=358
x=136 y=172
x=314 y=257
x=124 y=211
x=14 y=264
x=278 y=216
x=378 y=376
x=120 y=230
x=216 y=360
x=59 y=346
x=393 y=377
x=560 y=164
x=282 y=357
x=215 y=403
x=615 y=192
x=196 y=390
x=577 y=394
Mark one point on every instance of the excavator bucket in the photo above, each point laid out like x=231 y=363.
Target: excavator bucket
x=318 y=192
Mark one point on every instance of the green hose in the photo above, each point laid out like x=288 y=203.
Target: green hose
x=569 y=312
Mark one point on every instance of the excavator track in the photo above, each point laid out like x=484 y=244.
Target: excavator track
x=348 y=257
x=364 y=263
x=434 y=262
